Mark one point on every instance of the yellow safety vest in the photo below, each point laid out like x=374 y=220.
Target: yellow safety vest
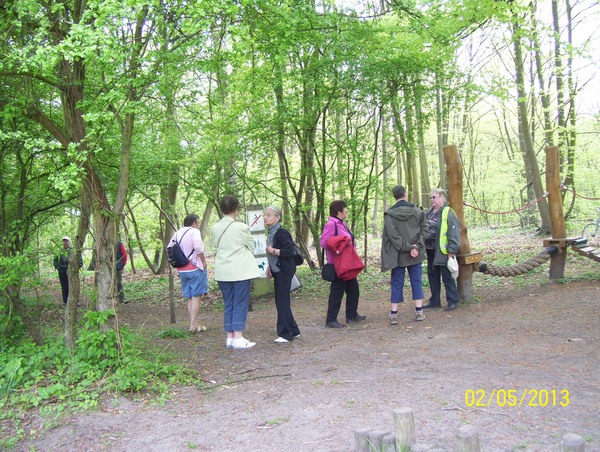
x=444 y=231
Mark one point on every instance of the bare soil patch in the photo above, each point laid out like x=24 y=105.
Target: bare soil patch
x=313 y=393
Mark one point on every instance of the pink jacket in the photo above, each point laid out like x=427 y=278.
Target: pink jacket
x=329 y=231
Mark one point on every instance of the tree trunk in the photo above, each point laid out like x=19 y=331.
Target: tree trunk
x=425 y=183
x=32 y=324
x=384 y=158
x=529 y=152
x=442 y=129
x=544 y=96
x=136 y=230
x=560 y=94
x=569 y=179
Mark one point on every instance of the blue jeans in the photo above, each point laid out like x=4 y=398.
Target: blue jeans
x=236 y=295
x=434 y=272
x=415 y=273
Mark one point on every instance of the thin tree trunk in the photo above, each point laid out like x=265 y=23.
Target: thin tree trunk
x=529 y=152
x=425 y=183
x=544 y=96
x=571 y=135
x=441 y=125
x=384 y=158
x=32 y=324
x=149 y=263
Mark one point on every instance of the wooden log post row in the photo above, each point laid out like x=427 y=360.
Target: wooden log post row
x=557 y=219
x=466 y=259
x=467 y=437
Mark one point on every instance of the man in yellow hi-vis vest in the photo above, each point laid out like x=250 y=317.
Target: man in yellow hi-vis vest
x=443 y=241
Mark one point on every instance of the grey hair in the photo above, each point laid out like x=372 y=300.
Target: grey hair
x=275 y=210
x=438 y=191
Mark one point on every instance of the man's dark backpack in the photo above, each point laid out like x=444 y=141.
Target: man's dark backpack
x=176 y=257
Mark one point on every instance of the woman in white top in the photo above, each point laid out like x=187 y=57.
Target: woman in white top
x=235 y=266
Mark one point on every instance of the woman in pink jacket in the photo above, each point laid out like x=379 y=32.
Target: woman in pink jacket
x=336 y=226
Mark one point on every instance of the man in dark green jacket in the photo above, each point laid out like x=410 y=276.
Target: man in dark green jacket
x=403 y=247
x=61 y=263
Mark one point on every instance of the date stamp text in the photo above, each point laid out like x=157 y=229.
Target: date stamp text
x=512 y=397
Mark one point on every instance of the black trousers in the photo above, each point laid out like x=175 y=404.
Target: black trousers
x=287 y=327
x=120 y=293
x=64 y=285
x=336 y=293
x=434 y=272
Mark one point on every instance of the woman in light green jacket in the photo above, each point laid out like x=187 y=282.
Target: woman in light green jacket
x=235 y=266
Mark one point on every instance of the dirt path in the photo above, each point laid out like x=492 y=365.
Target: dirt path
x=313 y=393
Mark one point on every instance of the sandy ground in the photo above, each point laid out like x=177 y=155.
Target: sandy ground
x=313 y=393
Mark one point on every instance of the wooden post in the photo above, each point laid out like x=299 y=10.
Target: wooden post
x=467 y=439
x=361 y=440
x=454 y=170
x=572 y=442
x=376 y=440
x=404 y=423
x=388 y=443
x=557 y=219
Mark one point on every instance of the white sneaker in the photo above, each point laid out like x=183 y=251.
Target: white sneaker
x=419 y=316
x=229 y=342
x=281 y=340
x=297 y=336
x=242 y=343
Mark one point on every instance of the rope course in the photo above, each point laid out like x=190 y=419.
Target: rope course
x=577 y=194
x=545 y=195
x=519 y=269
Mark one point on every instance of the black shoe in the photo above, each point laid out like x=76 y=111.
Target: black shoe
x=450 y=307
x=432 y=305
x=356 y=318
x=124 y=302
x=335 y=324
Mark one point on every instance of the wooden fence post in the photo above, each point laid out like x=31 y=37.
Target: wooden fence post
x=466 y=258
x=557 y=219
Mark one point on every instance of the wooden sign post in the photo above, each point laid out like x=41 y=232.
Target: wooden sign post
x=466 y=259
x=557 y=219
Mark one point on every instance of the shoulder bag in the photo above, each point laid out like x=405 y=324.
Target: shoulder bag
x=328 y=270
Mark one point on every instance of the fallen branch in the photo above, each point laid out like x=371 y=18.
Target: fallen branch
x=491 y=412
x=247 y=379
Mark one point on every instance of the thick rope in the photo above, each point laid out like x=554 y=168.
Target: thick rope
x=519 y=269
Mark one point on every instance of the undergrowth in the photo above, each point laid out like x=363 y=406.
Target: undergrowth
x=57 y=380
